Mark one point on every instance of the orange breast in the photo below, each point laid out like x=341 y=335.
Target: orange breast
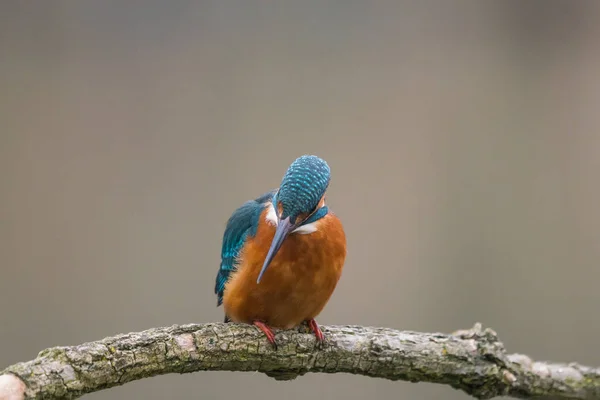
x=298 y=283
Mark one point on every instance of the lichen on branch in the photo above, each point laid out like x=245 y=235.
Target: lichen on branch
x=472 y=360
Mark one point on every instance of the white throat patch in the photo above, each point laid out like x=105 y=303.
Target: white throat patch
x=271 y=218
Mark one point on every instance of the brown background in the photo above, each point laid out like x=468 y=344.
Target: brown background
x=462 y=136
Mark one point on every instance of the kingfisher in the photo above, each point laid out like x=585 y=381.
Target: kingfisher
x=282 y=253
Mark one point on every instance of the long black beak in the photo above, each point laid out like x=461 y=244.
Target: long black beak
x=284 y=228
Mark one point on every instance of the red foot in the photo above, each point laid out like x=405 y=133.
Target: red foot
x=316 y=330
x=267 y=331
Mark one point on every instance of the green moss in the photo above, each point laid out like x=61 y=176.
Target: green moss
x=587 y=382
x=52 y=352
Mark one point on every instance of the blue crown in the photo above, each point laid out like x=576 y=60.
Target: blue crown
x=303 y=185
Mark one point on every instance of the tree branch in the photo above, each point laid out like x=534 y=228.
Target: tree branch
x=472 y=360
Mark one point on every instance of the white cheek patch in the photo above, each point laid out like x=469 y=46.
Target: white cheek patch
x=271 y=216
x=306 y=229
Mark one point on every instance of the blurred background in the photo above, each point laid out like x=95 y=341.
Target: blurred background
x=462 y=137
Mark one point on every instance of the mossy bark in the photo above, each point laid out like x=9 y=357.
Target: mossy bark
x=472 y=360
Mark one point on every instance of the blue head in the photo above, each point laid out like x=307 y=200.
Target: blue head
x=301 y=190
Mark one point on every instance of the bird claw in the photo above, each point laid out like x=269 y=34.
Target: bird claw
x=314 y=327
x=267 y=331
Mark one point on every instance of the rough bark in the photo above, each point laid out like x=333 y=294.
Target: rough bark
x=472 y=360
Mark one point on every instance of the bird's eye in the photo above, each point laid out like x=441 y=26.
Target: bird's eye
x=302 y=216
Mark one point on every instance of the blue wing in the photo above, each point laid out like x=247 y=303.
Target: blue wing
x=242 y=224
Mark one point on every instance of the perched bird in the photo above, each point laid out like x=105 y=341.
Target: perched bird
x=282 y=253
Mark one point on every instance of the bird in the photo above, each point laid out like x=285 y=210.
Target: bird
x=282 y=254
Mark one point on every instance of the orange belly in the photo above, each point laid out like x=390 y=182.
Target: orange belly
x=298 y=283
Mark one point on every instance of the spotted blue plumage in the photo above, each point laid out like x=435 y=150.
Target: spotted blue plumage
x=303 y=185
x=242 y=224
